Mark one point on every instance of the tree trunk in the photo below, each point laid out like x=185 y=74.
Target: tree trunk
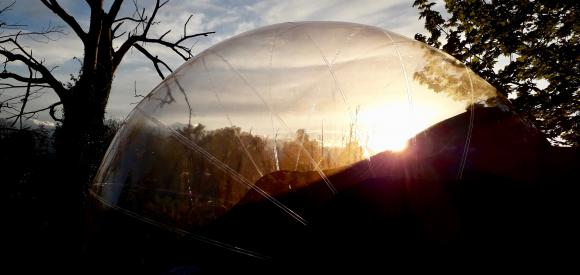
x=82 y=141
x=80 y=144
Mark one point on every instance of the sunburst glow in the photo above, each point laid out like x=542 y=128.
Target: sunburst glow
x=387 y=128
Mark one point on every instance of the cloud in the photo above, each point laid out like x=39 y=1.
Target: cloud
x=36 y=16
x=43 y=123
x=226 y=17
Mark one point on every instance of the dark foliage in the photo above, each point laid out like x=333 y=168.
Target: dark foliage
x=41 y=224
x=47 y=187
x=512 y=207
x=536 y=40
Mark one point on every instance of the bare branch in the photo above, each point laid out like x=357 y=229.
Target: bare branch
x=12 y=105
x=117 y=36
x=7 y=7
x=156 y=61
x=114 y=10
x=163 y=35
x=45 y=33
x=24 y=101
x=6 y=75
x=177 y=47
x=117 y=27
x=6 y=86
x=135 y=38
x=15 y=100
x=185 y=25
x=4 y=25
x=9 y=107
x=136 y=20
x=58 y=10
x=51 y=111
x=135 y=90
x=152 y=19
x=135 y=93
x=49 y=108
x=29 y=61
x=182 y=51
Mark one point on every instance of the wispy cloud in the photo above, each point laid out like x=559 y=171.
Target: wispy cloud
x=226 y=17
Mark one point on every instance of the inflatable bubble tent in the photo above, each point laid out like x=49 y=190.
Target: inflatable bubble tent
x=260 y=132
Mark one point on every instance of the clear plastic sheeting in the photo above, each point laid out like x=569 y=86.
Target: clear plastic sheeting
x=248 y=144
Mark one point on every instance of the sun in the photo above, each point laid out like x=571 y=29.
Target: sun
x=392 y=141
x=386 y=128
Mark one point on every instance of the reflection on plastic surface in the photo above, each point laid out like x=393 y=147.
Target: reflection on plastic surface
x=287 y=110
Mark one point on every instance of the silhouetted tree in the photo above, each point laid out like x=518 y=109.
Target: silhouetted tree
x=537 y=41
x=83 y=100
x=81 y=136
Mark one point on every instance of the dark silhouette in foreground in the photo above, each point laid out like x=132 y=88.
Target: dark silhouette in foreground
x=512 y=200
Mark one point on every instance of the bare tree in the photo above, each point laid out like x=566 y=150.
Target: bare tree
x=83 y=100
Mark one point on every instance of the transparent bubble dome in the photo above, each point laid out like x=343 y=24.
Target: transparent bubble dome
x=251 y=143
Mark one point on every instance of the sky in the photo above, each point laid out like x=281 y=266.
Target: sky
x=320 y=77
x=226 y=17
